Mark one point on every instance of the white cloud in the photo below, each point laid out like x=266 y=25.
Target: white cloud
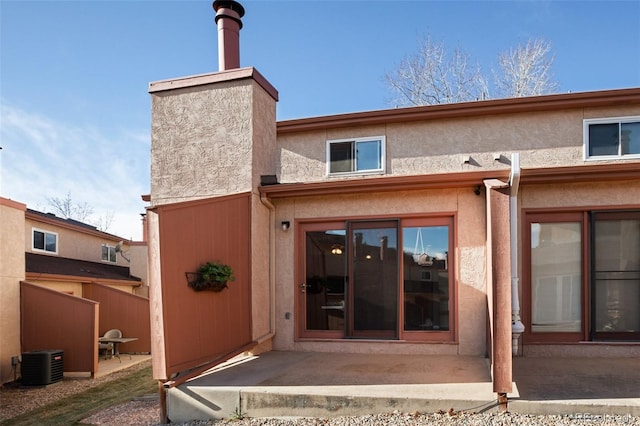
x=43 y=158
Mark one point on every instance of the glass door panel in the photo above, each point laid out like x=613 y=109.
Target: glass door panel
x=323 y=290
x=426 y=278
x=556 y=278
x=373 y=299
x=616 y=276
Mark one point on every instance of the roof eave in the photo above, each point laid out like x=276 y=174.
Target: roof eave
x=464 y=109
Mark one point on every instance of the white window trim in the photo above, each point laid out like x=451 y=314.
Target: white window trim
x=44 y=231
x=609 y=120
x=383 y=156
x=115 y=260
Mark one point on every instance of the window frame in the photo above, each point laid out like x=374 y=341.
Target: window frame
x=45 y=232
x=115 y=254
x=355 y=141
x=586 y=123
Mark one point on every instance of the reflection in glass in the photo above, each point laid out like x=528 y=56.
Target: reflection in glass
x=617 y=275
x=375 y=281
x=325 y=280
x=630 y=138
x=369 y=155
x=556 y=277
x=341 y=159
x=603 y=139
x=426 y=278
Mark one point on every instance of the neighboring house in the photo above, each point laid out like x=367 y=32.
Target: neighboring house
x=56 y=258
x=64 y=253
x=394 y=231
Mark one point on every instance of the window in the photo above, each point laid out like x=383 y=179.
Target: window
x=612 y=138
x=45 y=241
x=356 y=156
x=582 y=278
x=426 y=278
x=108 y=253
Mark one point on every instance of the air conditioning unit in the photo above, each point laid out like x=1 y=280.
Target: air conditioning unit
x=43 y=367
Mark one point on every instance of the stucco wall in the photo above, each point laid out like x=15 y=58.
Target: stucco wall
x=592 y=194
x=197 y=150
x=469 y=275
x=11 y=273
x=544 y=139
x=138 y=253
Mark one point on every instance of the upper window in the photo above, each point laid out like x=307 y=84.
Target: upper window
x=612 y=138
x=355 y=156
x=45 y=241
x=109 y=253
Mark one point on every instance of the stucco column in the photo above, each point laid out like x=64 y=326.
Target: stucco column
x=499 y=284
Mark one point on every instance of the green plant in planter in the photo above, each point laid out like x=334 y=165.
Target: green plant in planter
x=216 y=271
x=210 y=276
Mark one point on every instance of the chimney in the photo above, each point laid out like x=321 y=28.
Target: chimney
x=228 y=14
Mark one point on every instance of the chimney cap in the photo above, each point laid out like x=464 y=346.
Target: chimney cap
x=229 y=4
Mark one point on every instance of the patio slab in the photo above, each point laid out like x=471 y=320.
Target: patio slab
x=277 y=384
x=284 y=384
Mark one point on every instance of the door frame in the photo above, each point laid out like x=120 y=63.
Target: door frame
x=302 y=226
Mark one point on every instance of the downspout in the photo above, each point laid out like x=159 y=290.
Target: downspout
x=517 y=328
x=272 y=269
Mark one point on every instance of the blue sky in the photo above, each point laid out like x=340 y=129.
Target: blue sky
x=75 y=111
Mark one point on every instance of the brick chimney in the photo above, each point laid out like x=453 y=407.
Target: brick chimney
x=228 y=14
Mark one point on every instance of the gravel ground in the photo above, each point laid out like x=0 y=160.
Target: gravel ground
x=437 y=419
x=146 y=411
x=16 y=400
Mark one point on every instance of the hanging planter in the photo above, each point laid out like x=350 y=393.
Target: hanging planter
x=210 y=276
x=420 y=256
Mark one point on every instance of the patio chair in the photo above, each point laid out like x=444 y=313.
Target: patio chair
x=108 y=347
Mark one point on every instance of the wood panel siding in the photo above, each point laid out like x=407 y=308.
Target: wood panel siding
x=125 y=311
x=202 y=326
x=53 y=320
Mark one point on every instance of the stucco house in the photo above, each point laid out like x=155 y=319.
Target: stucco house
x=497 y=228
x=62 y=280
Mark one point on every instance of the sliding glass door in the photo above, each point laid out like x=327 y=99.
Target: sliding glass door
x=375 y=279
x=373 y=299
x=582 y=277
x=350 y=286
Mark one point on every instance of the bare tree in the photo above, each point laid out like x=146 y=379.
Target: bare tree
x=432 y=77
x=526 y=70
x=82 y=212
x=67 y=208
x=104 y=222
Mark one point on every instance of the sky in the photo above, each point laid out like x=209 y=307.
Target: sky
x=75 y=109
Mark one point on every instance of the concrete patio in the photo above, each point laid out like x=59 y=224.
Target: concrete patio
x=333 y=384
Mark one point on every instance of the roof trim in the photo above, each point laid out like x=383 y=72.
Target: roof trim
x=84 y=228
x=41 y=276
x=464 y=109
x=382 y=184
x=212 y=78
x=8 y=202
x=569 y=174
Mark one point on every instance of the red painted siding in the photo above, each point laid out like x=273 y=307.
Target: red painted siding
x=124 y=311
x=201 y=326
x=53 y=320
